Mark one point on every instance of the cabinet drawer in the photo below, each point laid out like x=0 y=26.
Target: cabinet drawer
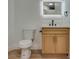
x=51 y=31
x=55 y=33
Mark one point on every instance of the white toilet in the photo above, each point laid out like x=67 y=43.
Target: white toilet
x=25 y=45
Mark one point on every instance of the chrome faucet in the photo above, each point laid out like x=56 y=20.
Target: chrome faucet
x=52 y=22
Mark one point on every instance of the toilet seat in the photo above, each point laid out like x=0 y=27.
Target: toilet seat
x=25 y=43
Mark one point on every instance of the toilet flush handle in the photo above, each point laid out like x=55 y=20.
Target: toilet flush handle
x=40 y=31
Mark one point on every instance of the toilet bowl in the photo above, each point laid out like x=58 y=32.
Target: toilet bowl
x=26 y=44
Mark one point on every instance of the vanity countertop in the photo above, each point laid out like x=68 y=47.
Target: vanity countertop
x=58 y=27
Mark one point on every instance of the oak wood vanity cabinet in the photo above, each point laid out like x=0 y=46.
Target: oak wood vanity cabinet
x=55 y=40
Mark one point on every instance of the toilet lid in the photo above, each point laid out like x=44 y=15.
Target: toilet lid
x=25 y=43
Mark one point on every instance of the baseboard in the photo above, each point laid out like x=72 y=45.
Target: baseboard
x=12 y=50
x=36 y=51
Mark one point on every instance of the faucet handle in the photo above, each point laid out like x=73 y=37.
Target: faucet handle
x=49 y=24
x=55 y=24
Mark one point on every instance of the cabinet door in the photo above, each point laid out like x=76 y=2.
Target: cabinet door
x=48 y=44
x=62 y=44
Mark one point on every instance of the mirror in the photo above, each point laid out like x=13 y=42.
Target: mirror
x=52 y=8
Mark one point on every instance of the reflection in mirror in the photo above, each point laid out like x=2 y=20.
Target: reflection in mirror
x=52 y=8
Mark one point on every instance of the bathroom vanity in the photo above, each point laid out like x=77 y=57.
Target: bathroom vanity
x=55 y=40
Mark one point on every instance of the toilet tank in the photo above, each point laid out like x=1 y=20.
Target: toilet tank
x=28 y=34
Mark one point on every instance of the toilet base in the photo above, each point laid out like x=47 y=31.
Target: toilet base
x=25 y=53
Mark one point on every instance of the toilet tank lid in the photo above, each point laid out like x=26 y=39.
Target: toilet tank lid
x=30 y=28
